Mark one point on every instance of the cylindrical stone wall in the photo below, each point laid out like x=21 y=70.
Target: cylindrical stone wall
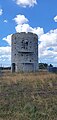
x=24 y=52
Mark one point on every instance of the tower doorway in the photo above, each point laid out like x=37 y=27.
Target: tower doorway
x=13 y=67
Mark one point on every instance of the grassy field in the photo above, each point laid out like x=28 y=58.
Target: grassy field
x=28 y=96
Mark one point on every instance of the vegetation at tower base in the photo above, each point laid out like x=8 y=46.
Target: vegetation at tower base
x=28 y=96
x=43 y=65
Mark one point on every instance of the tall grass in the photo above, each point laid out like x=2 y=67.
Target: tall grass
x=28 y=96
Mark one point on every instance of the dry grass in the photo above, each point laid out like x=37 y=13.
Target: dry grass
x=28 y=96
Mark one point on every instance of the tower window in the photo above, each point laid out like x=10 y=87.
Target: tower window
x=26 y=43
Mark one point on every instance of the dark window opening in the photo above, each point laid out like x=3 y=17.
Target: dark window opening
x=26 y=43
x=30 y=60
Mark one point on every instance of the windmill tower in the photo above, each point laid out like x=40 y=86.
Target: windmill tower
x=24 y=52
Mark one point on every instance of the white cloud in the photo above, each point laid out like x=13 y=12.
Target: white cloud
x=48 y=46
x=5 y=21
x=27 y=28
x=20 y=19
x=1 y=11
x=5 y=56
x=5 y=52
x=23 y=26
x=8 y=39
x=55 y=18
x=25 y=3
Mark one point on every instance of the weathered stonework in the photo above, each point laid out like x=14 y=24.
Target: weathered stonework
x=24 y=52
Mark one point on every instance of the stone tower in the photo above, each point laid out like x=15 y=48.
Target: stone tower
x=24 y=52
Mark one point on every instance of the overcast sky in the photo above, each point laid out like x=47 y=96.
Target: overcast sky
x=37 y=16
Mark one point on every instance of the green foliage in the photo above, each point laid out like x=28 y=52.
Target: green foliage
x=43 y=65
